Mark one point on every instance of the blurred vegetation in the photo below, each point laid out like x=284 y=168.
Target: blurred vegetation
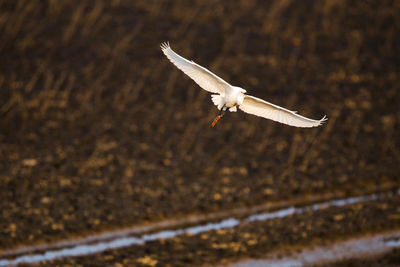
x=99 y=130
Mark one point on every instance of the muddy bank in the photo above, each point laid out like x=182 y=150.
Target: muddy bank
x=129 y=237
x=391 y=259
x=369 y=249
x=283 y=236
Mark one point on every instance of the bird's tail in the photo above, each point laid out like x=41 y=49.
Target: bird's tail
x=218 y=101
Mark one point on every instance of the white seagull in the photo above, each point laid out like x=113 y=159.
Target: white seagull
x=230 y=97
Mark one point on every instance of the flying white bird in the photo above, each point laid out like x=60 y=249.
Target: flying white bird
x=230 y=97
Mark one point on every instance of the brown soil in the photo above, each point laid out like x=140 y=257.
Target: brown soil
x=255 y=240
x=100 y=131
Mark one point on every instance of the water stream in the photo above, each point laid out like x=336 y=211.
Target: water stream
x=353 y=248
x=88 y=248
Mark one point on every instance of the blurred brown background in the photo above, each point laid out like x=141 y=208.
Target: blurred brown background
x=99 y=130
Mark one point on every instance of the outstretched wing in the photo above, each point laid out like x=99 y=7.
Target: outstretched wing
x=203 y=77
x=261 y=108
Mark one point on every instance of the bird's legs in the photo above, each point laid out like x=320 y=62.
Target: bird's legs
x=218 y=117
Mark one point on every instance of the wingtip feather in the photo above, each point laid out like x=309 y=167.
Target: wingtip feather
x=323 y=120
x=165 y=45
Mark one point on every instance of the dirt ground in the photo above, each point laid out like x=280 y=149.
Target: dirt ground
x=255 y=239
x=99 y=131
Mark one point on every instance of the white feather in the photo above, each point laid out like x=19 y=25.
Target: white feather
x=229 y=96
x=262 y=108
x=203 y=77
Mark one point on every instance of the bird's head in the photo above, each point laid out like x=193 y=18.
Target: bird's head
x=241 y=89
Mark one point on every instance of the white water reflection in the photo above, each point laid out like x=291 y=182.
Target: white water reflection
x=272 y=215
x=88 y=249
x=364 y=246
x=120 y=242
x=393 y=243
x=228 y=223
x=74 y=251
x=319 y=206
